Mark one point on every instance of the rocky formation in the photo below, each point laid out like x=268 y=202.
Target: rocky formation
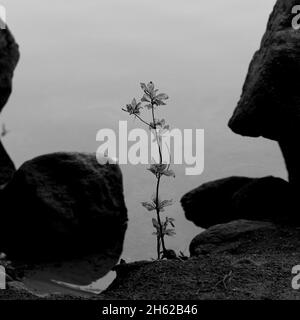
x=211 y=203
x=7 y=167
x=63 y=204
x=9 y=57
x=238 y=260
x=270 y=102
x=233 y=237
x=269 y=107
x=291 y=153
x=63 y=209
x=241 y=260
x=232 y=198
x=65 y=215
x=267 y=199
x=253 y=258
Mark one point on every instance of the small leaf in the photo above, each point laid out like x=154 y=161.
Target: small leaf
x=150 y=86
x=153 y=170
x=133 y=108
x=146 y=98
x=170 y=221
x=157 y=168
x=170 y=232
x=163 y=204
x=149 y=206
x=155 y=223
x=169 y=173
x=143 y=86
x=166 y=203
x=162 y=96
x=160 y=123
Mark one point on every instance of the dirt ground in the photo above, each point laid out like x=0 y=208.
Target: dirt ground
x=214 y=277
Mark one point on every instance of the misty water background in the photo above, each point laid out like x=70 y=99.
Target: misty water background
x=81 y=61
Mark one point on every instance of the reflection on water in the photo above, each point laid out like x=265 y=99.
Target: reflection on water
x=43 y=287
x=94 y=288
x=83 y=277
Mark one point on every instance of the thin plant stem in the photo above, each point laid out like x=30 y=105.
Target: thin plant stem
x=158 y=177
x=158 y=216
x=148 y=124
x=158 y=247
x=137 y=116
x=154 y=124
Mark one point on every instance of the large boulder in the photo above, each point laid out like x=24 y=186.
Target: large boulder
x=231 y=237
x=270 y=101
x=9 y=57
x=269 y=199
x=225 y=200
x=242 y=260
x=63 y=205
x=289 y=148
x=211 y=203
x=7 y=167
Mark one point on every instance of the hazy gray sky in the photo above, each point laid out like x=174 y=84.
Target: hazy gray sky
x=82 y=60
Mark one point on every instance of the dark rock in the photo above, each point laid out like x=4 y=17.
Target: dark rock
x=270 y=102
x=9 y=57
x=61 y=206
x=230 y=237
x=211 y=203
x=289 y=148
x=7 y=167
x=258 y=268
x=269 y=199
x=15 y=291
x=225 y=200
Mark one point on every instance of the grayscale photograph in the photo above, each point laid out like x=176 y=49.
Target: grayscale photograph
x=149 y=156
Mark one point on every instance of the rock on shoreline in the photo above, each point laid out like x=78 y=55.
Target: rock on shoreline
x=65 y=215
x=233 y=198
x=246 y=260
x=9 y=57
x=270 y=102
